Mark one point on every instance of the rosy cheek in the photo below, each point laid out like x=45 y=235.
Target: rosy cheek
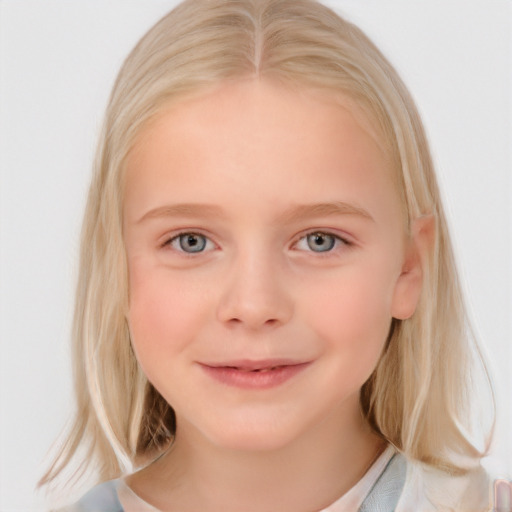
x=352 y=315
x=156 y=314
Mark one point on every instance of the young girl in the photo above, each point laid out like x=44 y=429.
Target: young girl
x=268 y=316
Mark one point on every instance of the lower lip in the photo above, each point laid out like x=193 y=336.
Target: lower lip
x=254 y=380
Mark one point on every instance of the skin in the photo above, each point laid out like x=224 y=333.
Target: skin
x=261 y=289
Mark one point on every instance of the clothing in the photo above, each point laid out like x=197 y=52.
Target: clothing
x=391 y=484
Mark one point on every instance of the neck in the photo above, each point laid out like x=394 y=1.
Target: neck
x=307 y=474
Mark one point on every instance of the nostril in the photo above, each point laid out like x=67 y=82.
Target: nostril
x=257 y=302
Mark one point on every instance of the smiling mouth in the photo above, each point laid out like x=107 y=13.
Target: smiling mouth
x=254 y=375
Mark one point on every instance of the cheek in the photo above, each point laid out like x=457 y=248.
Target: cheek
x=162 y=315
x=352 y=313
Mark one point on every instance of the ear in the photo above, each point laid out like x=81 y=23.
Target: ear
x=409 y=283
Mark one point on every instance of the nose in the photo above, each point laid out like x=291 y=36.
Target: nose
x=254 y=294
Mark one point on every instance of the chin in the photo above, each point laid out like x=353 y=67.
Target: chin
x=250 y=433
x=253 y=441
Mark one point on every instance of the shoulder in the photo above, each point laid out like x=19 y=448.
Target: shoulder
x=429 y=489
x=101 y=498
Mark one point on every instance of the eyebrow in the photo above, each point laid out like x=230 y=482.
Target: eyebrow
x=183 y=209
x=293 y=214
x=304 y=211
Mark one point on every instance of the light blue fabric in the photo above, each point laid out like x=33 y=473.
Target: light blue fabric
x=101 y=498
x=383 y=496
x=385 y=493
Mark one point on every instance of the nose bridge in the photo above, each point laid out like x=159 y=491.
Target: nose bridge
x=254 y=293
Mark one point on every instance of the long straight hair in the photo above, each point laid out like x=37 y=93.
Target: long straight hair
x=419 y=396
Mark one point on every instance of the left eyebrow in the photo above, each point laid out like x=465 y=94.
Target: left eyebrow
x=306 y=211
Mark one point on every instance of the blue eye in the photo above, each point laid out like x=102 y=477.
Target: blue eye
x=189 y=242
x=320 y=242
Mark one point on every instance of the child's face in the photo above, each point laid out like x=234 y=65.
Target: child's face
x=262 y=230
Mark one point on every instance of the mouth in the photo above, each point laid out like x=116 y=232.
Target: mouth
x=255 y=369
x=254 y=374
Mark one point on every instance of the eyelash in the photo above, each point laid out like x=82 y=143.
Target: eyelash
x=337 y=242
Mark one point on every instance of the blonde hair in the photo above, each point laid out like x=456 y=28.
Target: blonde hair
x=417 y=398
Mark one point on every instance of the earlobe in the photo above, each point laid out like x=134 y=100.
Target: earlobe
x=410 y=281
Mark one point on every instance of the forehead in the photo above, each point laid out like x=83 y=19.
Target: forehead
x=266 y=97
x=260 y=100
x=260 y=133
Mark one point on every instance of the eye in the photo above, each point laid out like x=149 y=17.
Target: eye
x=319 y=241
x=190 y=243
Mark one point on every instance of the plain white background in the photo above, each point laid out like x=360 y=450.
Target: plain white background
x=58 y=60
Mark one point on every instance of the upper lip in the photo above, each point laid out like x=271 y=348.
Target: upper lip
x=251 y=365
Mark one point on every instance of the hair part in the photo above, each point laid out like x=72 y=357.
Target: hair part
x=417 y=396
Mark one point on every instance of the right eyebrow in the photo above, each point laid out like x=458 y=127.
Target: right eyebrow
x=183 y=209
